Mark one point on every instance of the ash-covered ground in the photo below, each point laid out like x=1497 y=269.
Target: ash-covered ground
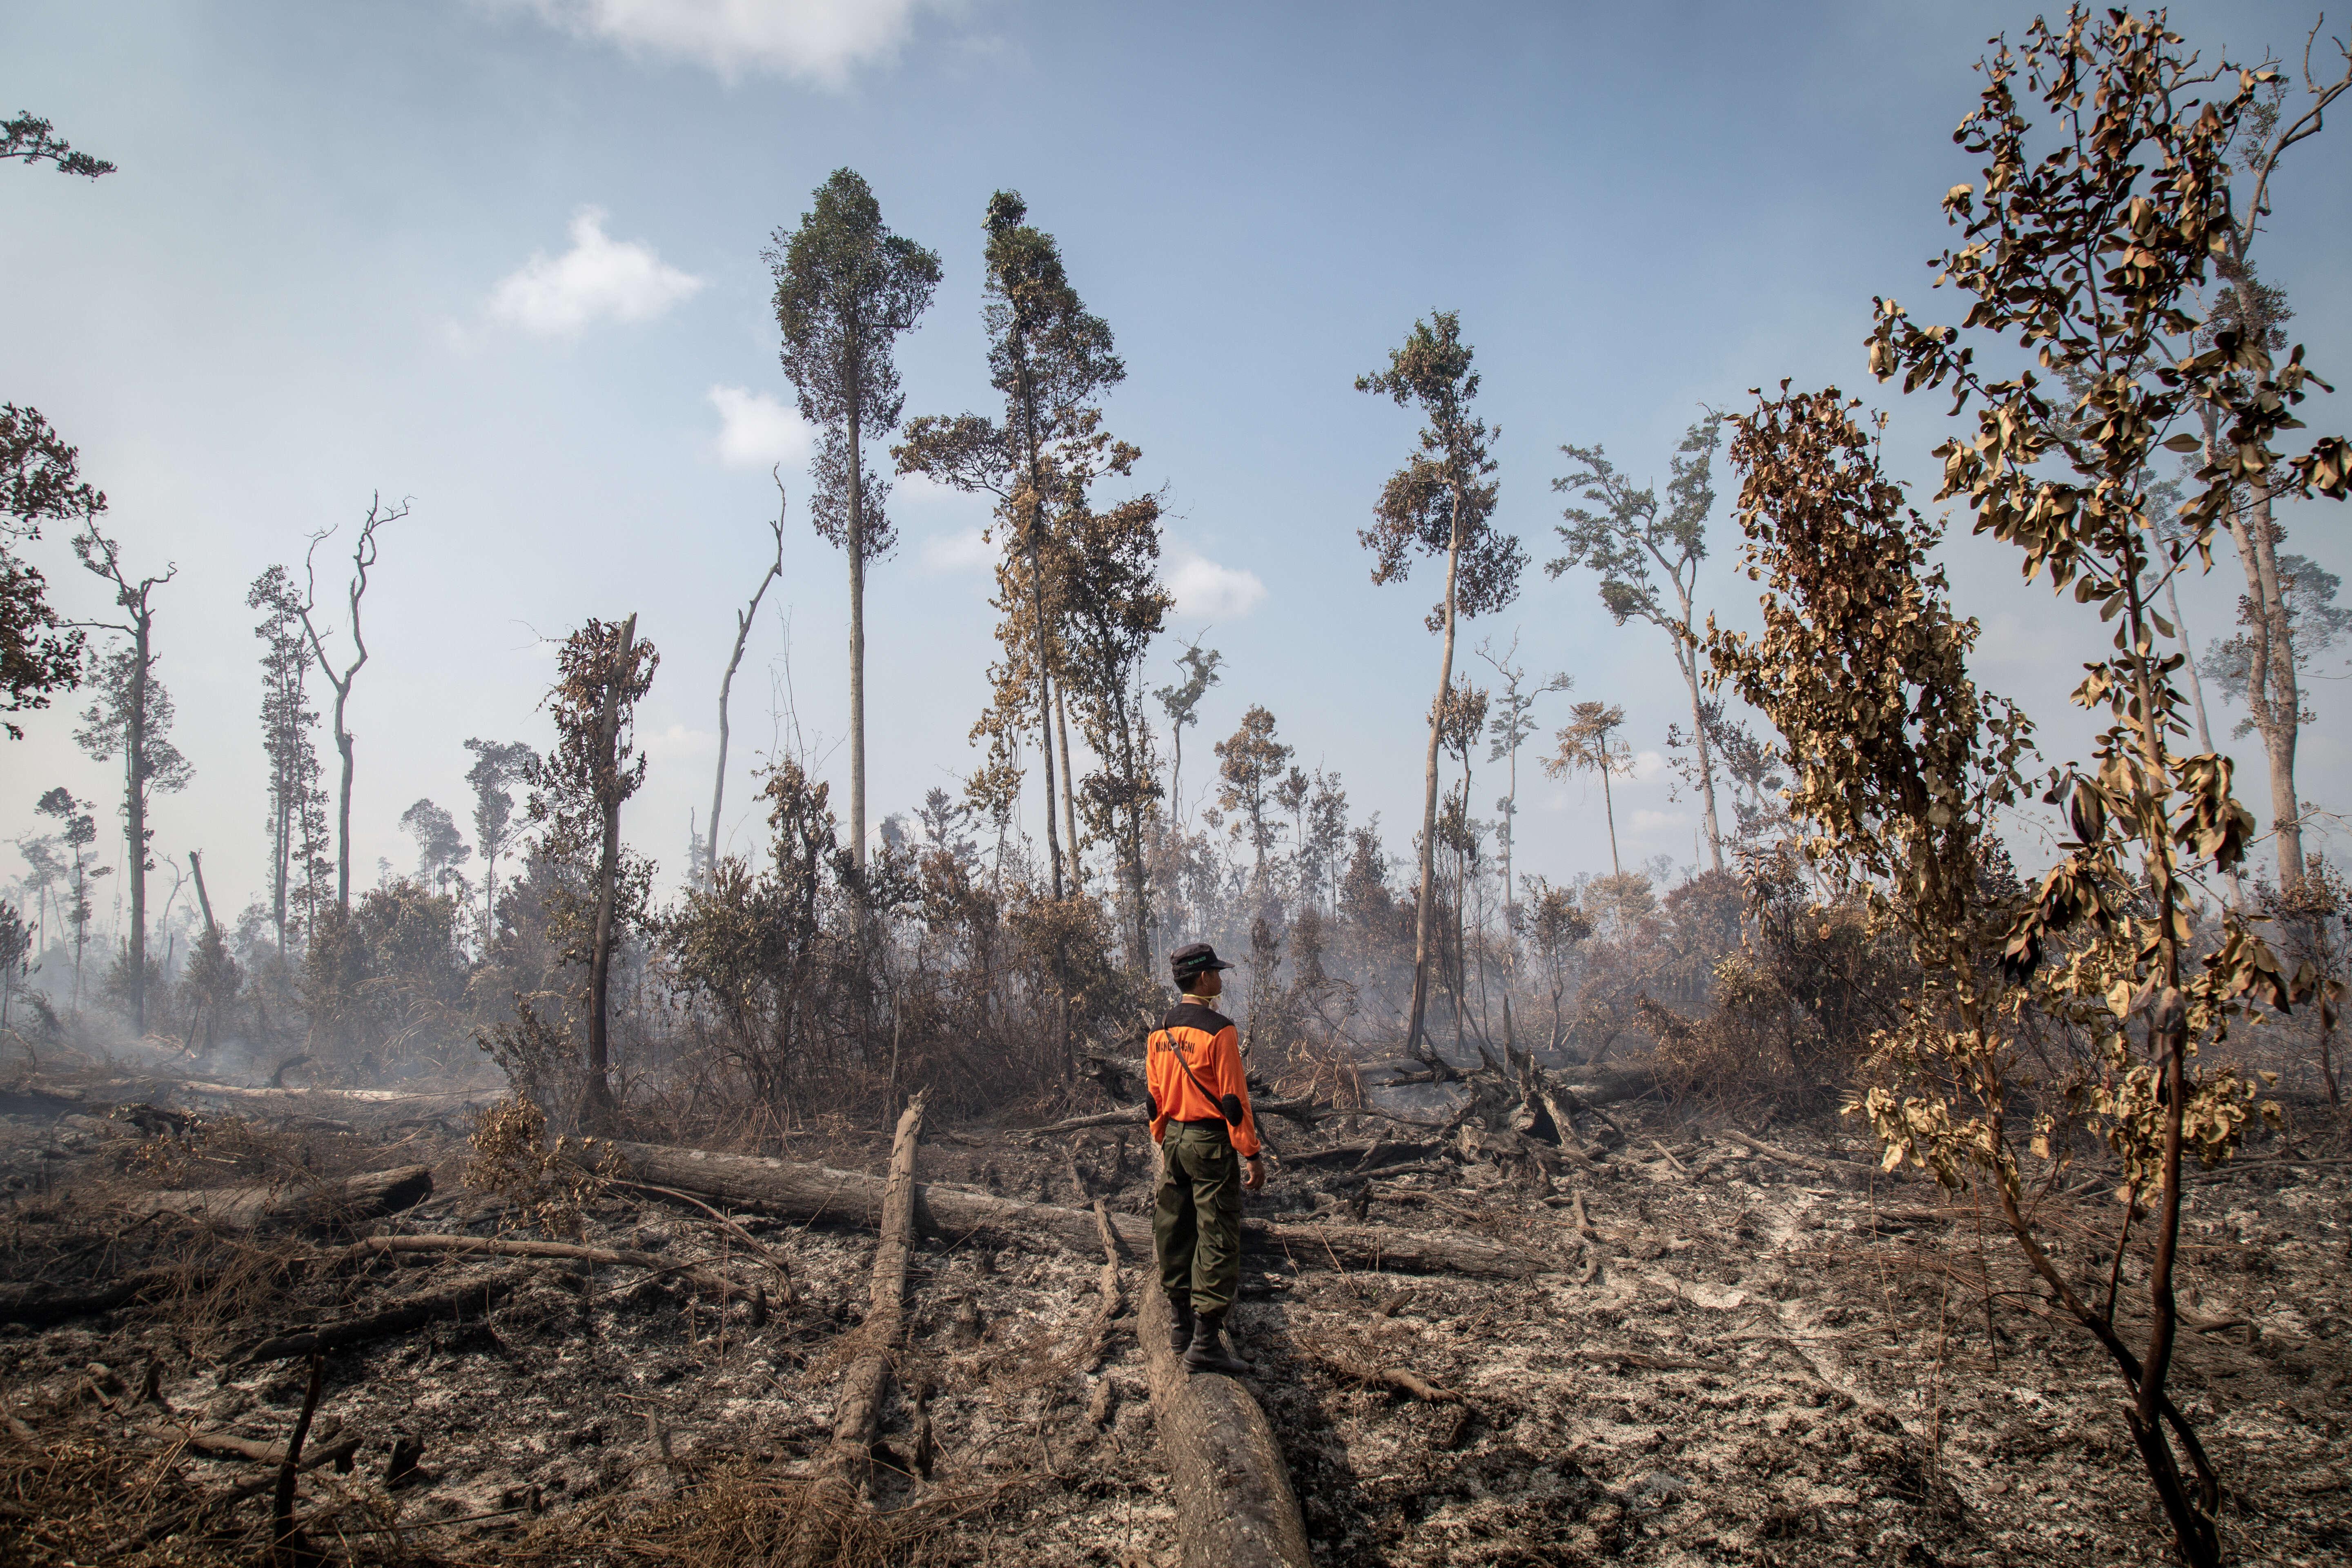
x=1741 y=1361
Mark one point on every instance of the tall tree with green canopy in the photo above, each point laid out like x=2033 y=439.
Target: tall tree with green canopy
x=576 y=793
x=1251 y=761
x=845 y=288
x=496 y=765
x=1181 y=702
x=1589 y=743
x=1511 y=726
x=1050 y=359
x=1624 y=535
x=1442 y=502
x=1116 y=604
x=131 y=719
x=78 y=827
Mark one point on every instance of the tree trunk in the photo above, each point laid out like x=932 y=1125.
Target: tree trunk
x=2280 y=735
x=134 y=810
x=849 y=1198
x=1412 y=1040
x=857 y=638
x=597 y=1093
x=1045 y=694
x=726 y=685
x=1686 y=655
x=343 y=801
x=1069 y=800
x=1137 y=889
x=324 y=1205
x=1234 y=1506
x=1608 y=809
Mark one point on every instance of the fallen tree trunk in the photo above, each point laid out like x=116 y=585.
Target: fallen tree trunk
x=1100 y=1337
x=355 y=1199
x=38 y=1304
x=702 y=1279
x=849 y=1198
x=476 y=1296
x=1234 y=1506
x=1304 y=1109
x=863 y=1386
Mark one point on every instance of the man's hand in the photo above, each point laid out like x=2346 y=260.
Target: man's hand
x=1256 y=1177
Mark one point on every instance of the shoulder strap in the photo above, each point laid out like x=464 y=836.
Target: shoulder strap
x=1230 y=1106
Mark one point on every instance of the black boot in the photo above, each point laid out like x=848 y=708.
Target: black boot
x=1207 y=1352
x=1180 y=1321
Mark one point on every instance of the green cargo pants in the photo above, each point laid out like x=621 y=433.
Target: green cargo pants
x=1197 y=1222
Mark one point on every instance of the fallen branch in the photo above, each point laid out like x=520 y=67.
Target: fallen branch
x=222 y=1446
x=702 y=1279
x=1100 y=1338
x=766 y=1254
x=1234 y=1506
x=858 y=1420
x=954 y=1212
x=1420 y=1388
x=1803 y=1161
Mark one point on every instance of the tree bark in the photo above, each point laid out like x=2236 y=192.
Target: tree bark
x=1686 y=655
x=1234 y=1505
x=134 y=810
x=858 y=1420
x=847 y=1197
x=726 y=685
x=1426 y=894
x=857 y=635
x=2282 y=732
x=1608 y=809
x=347 y=1202
x=597 y=1093
x=1069 y=800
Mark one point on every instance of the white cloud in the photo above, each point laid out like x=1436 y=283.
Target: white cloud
x=965 y=551
x=756 y=431
x=1207 y=590
x=1649 y=821
x=1648 y=765
x=813 y=41
x=598 y=279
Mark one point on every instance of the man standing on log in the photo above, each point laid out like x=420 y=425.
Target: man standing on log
x=1200 y=1119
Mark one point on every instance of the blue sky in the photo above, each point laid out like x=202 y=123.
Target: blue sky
x=502 y=257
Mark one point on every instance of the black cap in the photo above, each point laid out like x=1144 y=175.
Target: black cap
x=1199 y=958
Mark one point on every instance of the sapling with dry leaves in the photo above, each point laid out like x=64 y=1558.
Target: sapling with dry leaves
x=2083 y=261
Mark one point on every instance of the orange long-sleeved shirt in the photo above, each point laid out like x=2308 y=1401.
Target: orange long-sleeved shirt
x=1212 y=1047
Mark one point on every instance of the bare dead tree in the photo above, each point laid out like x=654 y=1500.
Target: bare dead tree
x=743 y=619
x=363 y=558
